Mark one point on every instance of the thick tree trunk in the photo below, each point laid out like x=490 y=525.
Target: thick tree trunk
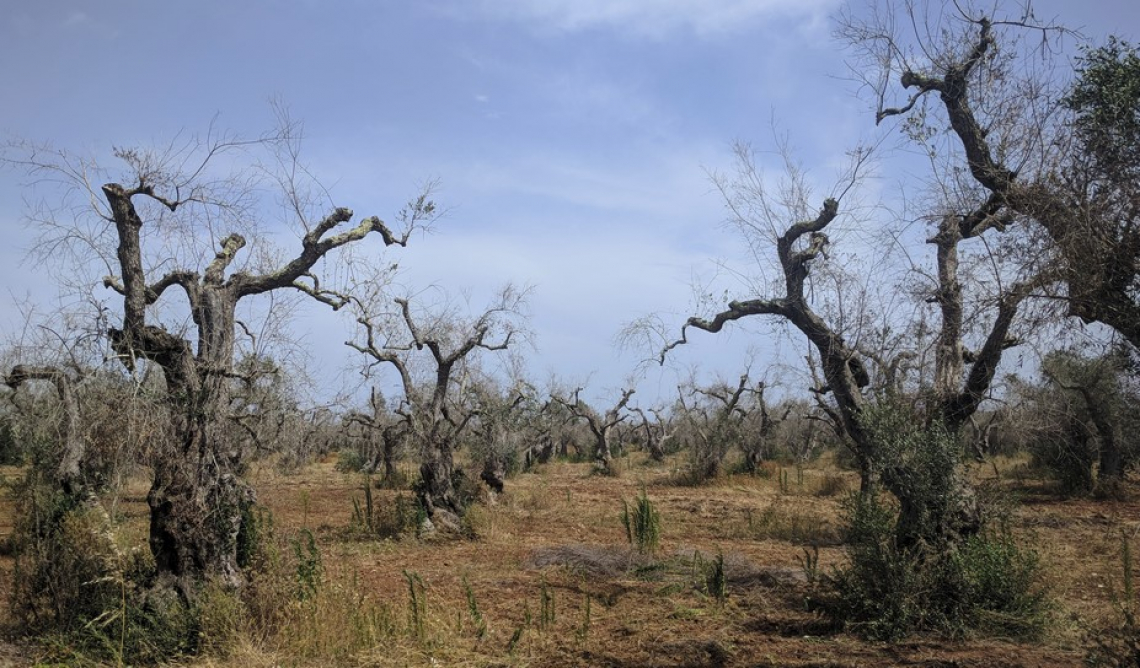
x=656 y=451
x=436 y=492
x=545 y=449
x=753 y=460
x=494 y=473
x=603 y=455
x=935 y=523
x=197 y=498
x=196 y=514
x=388 y=457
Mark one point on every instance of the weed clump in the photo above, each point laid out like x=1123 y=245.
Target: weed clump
x=80 y=592
x=372 y=520
x=1119 y=644
x=642 y=524
x=714 y=582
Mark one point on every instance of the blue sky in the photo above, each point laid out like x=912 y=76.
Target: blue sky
x=572 y=138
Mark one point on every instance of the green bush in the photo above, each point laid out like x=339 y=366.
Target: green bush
x=919 y=464
x=350 y=461
x=923 y=558
x=989 y=585
x=11 y=452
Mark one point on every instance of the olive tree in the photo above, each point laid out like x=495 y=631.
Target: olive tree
x=159 y=228
x=506 y=424
x=379 y=444
x=971 y=226
x=1061 y=155
x=1089 y=204
x=430 y=350
x=713 y=420
x=1080 y=419
x=601 y=426
x=655 y=432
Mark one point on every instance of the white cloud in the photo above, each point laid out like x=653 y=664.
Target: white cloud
x=651 y=18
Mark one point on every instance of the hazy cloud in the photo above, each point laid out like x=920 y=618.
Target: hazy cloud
x=77 y=19
x=649 y=18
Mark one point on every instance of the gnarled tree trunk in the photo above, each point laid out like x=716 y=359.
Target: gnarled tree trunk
x=197 y=497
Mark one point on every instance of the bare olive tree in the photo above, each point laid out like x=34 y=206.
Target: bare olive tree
x=601 y=426
x=506 y=423
x=760 y=428
x=74 y=446
x=713 y=419
x=963 y=217
x=554 y=423
x=151 y=227
x=429 y=350
x=384 y=433
x=654 y=432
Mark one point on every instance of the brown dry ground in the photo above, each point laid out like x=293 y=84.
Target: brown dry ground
x=561 y=526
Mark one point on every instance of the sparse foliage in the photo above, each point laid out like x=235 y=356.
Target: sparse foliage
x=443 y=345
x=1080 y=420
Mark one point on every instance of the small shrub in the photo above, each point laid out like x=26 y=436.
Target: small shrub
x=76 y=589
x=309 y=567
x=350 y=461
x=642 y=524
x=713 y=579
x=999 y=581
x=378 y=520
x=707 y=455
x=270 y=582
x=256 y=523
x=990 y=585
x=11 y=452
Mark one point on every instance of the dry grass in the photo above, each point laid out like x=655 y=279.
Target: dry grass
x=555 y=538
